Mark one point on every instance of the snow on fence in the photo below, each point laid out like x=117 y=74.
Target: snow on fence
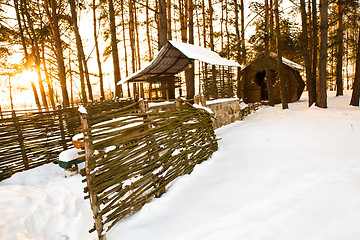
x=29 y=138
x=138 y=154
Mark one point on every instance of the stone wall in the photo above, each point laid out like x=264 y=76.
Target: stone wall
x=229 y=110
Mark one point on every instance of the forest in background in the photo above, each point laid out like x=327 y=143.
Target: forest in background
x=321 y=35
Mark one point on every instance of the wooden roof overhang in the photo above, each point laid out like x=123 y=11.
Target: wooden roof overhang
x=173 y=58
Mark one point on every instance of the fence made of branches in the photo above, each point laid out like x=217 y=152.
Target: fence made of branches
x=138 y=154
x=29 y=138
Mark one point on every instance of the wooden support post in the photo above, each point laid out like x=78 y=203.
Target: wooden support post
x=171 y=88
x=21 y=140
x=178 y=103
x=150 y=90
x=89 y=166
x=62 y=130
x=143 y=108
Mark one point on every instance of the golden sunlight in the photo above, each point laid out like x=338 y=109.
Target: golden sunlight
x=21 y=90
x=25 y=77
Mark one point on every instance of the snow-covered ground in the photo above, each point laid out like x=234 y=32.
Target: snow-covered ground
x=292 y=174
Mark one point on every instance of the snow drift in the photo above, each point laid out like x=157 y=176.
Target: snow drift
x=278 y=174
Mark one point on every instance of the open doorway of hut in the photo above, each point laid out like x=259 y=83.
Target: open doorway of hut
x=260 y=81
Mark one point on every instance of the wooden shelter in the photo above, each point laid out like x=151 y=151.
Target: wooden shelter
x=173 y=58
x=253 y=86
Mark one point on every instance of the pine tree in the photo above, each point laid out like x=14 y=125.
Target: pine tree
x=321 y=98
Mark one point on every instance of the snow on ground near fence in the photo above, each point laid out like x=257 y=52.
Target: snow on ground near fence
x=292 y=174
x=41 y=204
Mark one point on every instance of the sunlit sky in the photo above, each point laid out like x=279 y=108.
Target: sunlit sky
x=25 y=98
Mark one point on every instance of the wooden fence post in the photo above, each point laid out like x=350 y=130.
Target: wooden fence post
x=21 y=140
x=142 y=106
x=89 y=166
x=62 y=130
x=178 y=104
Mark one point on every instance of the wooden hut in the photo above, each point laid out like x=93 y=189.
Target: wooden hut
x=253 y=86
x=175 y=57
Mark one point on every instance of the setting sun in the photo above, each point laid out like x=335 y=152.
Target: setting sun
x=25 y=77
x=21 y=90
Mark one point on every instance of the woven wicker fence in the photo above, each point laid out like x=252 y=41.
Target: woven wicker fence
x=29 y=138
x=138 y=154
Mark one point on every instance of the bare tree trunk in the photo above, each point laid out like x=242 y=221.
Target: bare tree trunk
x=148 y=39
x=211 y=16
x=283 y=87
x=169 y=35
x=86 y=71
x=204 y=22
x=356 y=87
x=37 y=101
x=162 y=23
x=10 y=95
x=239 y=47
x=114 y=49
x=237 y=31
x=243 y=47
x=54 y=25
x=183 y=20
x=71 y=79
x=124 y=38
x=315 y=42
x=78 y=47
x=137 y=40
x=306 y=54
x=138 y=52
x=205 y=76
x=27 y=64
x=267 y=50
x=340 y=49
x=321 y=83
x=98 y=58
x=347 y=62
x=228 y=32
x=221 y=26
x=213 y=85
x=190 y=72
x=48 y=81
x=132 y=35
x=29 y=27
x=272 y=35
x=21 y=31
x=132 y=44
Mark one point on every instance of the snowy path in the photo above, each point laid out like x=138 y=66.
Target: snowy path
x=291 y=174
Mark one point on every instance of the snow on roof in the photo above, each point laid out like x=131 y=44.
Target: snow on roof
x=175 y=57
x=288 y=62
x=203 y=54
x=285 y=61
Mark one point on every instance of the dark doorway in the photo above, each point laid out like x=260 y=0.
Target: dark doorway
x=260 y=81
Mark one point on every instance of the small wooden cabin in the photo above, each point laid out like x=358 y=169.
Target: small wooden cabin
x=217 y=80
x=253 y=86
